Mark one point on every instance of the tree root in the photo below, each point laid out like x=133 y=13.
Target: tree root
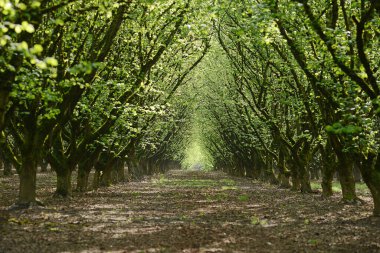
x=355 y=201
x=26 y=205
x=61 y=195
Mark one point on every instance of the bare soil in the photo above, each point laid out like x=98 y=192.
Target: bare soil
x=186 y=211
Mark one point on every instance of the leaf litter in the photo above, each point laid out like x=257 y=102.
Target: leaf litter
x=186 y=211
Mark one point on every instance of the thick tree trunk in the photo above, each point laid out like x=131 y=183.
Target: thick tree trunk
x=96 y=179
x=314 y=174
x=327 y=178
x=295 y=178
x=269 y=173
x=134 y=169
x=64 y=188
x=329 y=166
x=357 y=174
x=5 y=90
x=120 y=171
x=305 y=180
x=346 y=178
x=284 y=174
x=28 y=173
x=301 y=162
x=82 y=179
x=44 y=165
x=7 y=168
x=296 y=183
x=371 y=175
x=345 y=171
x=106 y=177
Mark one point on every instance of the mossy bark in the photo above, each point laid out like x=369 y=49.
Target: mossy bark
x=64 y=188
x=371 y=175
x=326 y=184
x=7 y=168
x=82 y=180
x=329 y=166
x=120 y=171
x=295 y=178
x=304 y=176
x=284 y=173
x=96 y=179
x=27 y=190
x=106 y=177
x=28 y=174
x=346 y=178
x=44 y=166
x=296 y=183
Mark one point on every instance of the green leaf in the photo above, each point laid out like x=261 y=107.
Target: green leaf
x=27 y=27
x=37 y=49
x=51 y=61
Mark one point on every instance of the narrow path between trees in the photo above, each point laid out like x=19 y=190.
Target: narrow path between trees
x=191 y=211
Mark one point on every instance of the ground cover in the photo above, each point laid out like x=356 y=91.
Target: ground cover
x=187 y=211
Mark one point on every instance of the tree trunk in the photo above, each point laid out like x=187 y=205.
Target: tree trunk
x=346 y=178
x=82 y=179
x=269 y=174
x=370 y=170
x=295 y=178
x=120 y=171
x=64 y=188
x=305 y=180
x=106 y=177
x=301 y=162
x=296 y=183
x=329 y=166
x=327 y=178
x=7 y=168
x=44 y=165
x=5 y=90
x=96 y=180
x=28 y=173
x=284 y=174
x=357 y=174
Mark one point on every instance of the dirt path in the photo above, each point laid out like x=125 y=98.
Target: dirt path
x=192 y=212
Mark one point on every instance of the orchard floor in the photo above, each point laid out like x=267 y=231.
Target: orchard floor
x=186 y=211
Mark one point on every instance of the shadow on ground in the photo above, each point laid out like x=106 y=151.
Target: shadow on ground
x=189 y=211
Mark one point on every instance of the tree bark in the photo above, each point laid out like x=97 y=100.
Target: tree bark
x=305 y=180
x=120 y=171
x=28 y=173
x=328 y=171
x=329 y=166
x=64 y=188
x=106 y=177
x=82 y=179
x=346 y=178
x=44 y=165
x=371 y=175
x=96 y=180
x=7 y=168
x=284 y=174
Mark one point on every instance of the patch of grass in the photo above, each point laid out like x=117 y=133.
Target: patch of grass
x=218 y=197
x=227 y=188
x=228 y=182
x=360 y=187
x=243 y=197
x=313 y=241
x=257 y=221
x=135 y=194
x=188 y=183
